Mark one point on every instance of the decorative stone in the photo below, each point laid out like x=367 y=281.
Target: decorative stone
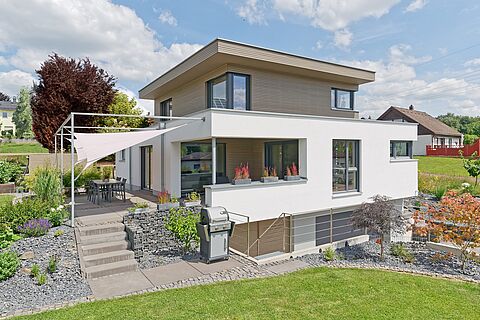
x=26 y=271
x=27 y=255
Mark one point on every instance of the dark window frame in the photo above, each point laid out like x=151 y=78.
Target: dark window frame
x=268 y=144
x=335 y=104
x=229 y=89
x=163 y=105
x=393 y=154
x=347 y=166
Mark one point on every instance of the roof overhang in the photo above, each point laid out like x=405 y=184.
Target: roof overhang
x=223 y=52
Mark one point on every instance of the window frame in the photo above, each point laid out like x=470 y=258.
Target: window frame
x=267 y=154
x=348 y=168
x=393 y=155
x=4 y=115
x=122 y=155
x=335 y=104
x=170 y=109
x=229 y=77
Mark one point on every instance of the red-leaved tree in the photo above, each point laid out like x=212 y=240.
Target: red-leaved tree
x=456 y=219
x=68 y=85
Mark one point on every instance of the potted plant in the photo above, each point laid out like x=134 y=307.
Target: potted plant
x=292 y=173
x=139 y=208
x=193 y=199
x=166 y=201
x=106 y=173
x=269 y=175
x=242 y=175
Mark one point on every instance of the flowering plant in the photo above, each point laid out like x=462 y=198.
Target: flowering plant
x=57 y=215
x=269 y=172
x=35 y=227
x=164 y=197
x=294 y=169
x=242 y=172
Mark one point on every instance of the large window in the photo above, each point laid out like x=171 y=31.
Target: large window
x=196 y=165
x=400 y=149
x=230 y=91
x=280 y=155
x=345 y=156
x=342 y=99
x=166 y=109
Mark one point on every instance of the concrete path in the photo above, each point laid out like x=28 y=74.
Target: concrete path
x=129 y=282
x=287 y=266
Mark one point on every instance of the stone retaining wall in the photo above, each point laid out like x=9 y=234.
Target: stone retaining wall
x=148 y=235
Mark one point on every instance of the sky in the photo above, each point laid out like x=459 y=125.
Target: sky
x=424 y=52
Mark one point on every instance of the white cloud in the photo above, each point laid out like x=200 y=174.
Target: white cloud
x=112 y=35
x=167 y=17
x=416 y=5
x=342 y=38
x=333 y=15
x=397 y=83
x=252 y=12
x=12 y=81
x=319 y=45
x=473 y=62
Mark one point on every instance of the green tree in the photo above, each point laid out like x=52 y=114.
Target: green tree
x=22 y=117
x=472 y=165
x=469 y=138
x=121 y=104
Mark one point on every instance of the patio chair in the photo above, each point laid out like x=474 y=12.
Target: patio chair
x=122 y=186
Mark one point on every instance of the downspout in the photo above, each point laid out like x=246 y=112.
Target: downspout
x=130 y=168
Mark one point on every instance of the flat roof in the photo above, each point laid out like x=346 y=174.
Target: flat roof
x=221 y=51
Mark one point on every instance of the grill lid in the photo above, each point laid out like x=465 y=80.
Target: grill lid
x=214 y=215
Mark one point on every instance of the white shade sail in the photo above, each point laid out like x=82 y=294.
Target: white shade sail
x=92 y=147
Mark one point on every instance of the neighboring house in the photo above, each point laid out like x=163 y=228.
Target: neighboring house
x=431 y=131
x=269 y=108
x=7 y=109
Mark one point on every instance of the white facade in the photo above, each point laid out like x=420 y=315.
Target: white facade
x=378 y=173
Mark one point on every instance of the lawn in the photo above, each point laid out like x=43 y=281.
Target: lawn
x=441 y=165
x=320 y=293
x=11 y=147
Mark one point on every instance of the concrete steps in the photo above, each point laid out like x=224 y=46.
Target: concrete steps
x=103 y=247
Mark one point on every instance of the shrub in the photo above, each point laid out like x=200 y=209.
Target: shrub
x=35 y=228
x=45 y=182
x=7 y=237
x=57 y=215
x=9 y=263
x=439 y=257
x=182 y=222
x=41 y=279
x=440 y=192
x=15 y=215
x=58 y=233
x=9 y=171
x=52 y=264
x=84 y=178
x=329 y=254
x=398 y=250
x=35 y=270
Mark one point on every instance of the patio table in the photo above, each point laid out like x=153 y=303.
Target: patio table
x=107 y=186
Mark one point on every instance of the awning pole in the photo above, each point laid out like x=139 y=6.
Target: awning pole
x=56 y=158
x=61 y=154
x=72 y=173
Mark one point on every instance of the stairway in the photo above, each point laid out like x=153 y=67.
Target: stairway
x=103 y=247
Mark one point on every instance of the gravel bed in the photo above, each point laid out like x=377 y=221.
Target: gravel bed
x=66 y=284
x=164 y=257
x=368 y=255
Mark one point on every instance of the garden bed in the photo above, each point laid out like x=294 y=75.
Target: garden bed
x=65 y=284
x=367 y=255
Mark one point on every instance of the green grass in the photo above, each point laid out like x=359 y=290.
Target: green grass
x=319 y=293
x=6 y=198
x=11 y=147
x=441 y=165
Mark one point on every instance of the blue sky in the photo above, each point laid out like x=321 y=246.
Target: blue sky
x=425 y=52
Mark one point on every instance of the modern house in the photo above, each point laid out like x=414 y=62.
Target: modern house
x=7 y=109
x=431 y=131
x=272 y=109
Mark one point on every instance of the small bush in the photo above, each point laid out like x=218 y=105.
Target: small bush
x=9 y=263
x=58 y=233
x=46 y=183
x=35 y=228
x=9 y=171
x=7 y=237
x=52 y=264
x=15 y=215
x=84 y=178
x=398 y=250
x=57 y=215
x=182 y=222
x=35 y=272
x=41 y=279
x=439 y=257
x=440 y=192
x=329 y=254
